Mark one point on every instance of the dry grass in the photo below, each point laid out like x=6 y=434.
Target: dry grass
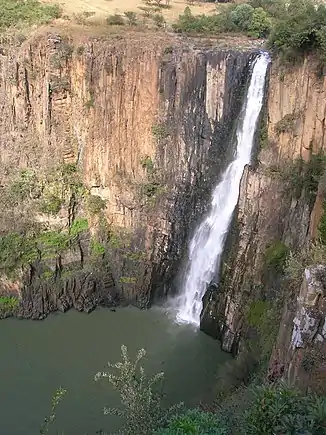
x=102 y=8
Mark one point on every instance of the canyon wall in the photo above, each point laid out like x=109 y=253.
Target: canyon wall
x=280 y=205
x=113 y=144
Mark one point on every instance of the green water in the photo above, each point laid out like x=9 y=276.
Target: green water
x=68 y=349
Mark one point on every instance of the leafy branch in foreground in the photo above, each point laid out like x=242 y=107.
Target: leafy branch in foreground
x=56 y=399
x=142 y=411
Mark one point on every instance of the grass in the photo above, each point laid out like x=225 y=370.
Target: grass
x=8 y=305
x=17 y=12
x=103 y=8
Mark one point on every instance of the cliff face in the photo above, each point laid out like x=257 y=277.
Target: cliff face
x=279 y=208
x=137 y=126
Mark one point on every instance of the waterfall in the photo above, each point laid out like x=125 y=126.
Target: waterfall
x=208 y=241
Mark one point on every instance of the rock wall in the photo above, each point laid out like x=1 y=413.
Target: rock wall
x=146 y=122
x=275 y=210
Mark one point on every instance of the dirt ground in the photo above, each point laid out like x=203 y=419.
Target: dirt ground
x=102 y=8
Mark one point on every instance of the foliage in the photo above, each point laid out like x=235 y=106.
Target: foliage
x=279 y=409
x=305 y=176
x=22 y=186
x=8 y=305
x=158 y=20
x=95 y=204
x=322 y=226
x=142 y=412
x=127 y=280
x=263 y=316
x=151 y=190
x=50 y=205
x=15 y=251
x=194 y=421
x=300 y=30
x=18 y=250
x=78 y=226
x=97 y=249
x=234 y=18
x=147 y=164
x=160 y=131
x=131 y=17
x=286 y=124
x=56 y=399
x=15 y=12
x=276 y=255
x=115 y=20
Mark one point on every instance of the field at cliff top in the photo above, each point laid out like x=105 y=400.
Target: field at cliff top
x=102 y=8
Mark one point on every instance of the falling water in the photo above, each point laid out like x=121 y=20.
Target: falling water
x=208 y=241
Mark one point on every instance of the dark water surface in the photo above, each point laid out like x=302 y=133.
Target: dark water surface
x=68 y=349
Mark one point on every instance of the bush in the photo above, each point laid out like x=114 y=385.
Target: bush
x=305 y=176
x=322 y=225
x=280 y=409
x=115 y=20
x=131 y=17
x=276 y=255
x=95 y=204
x=196 y=422
x=300 y=30
x=15 y=12
x=8 y=305
x=78 y=226
x=158 y=20
x=51 y=205
x=142 y=413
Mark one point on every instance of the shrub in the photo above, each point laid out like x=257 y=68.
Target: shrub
x=97 y=249
x=95 y=204
x=194 y=421
x=279 y=409
x=160 y=130
x=299 y=30
x=56 y=399
x=50 y=205
x=8 y=305
x=131 y=17
x=305 y=176
x=152 y=189
x=22 y=186
x=15 y=12
x=78 y=226
x=115 y=20
x=322 y=225
x=142 y=413
x=276 y=255
x=286 y=124
x=158 y=20
x=147 y=164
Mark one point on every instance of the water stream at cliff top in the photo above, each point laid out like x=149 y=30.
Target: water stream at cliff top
x=208 y=241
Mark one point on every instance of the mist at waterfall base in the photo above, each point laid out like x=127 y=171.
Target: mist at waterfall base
x=208 y=241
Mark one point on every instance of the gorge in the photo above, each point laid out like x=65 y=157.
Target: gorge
x=111 y=148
